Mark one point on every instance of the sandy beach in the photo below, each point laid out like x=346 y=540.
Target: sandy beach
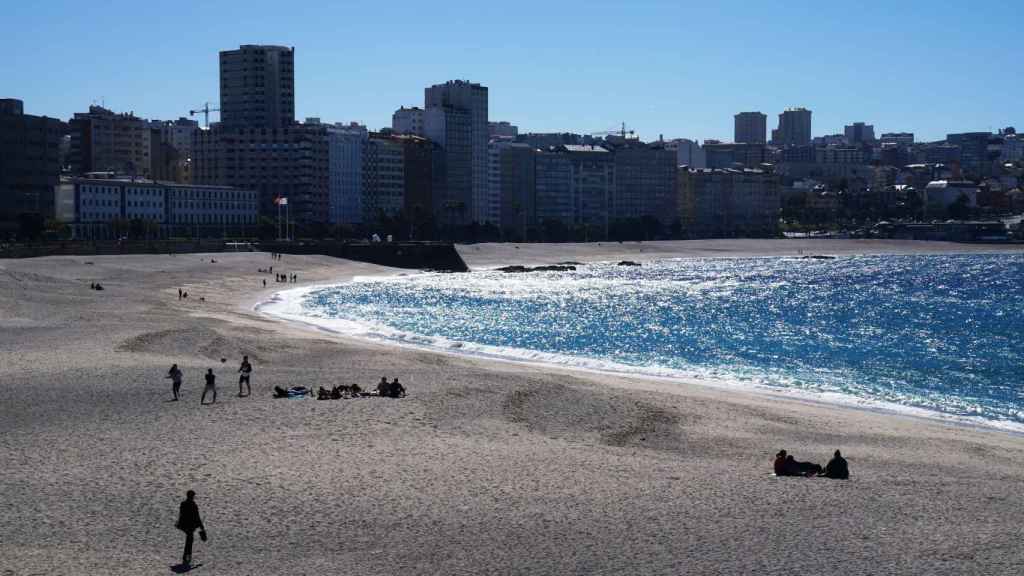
x=486 y=467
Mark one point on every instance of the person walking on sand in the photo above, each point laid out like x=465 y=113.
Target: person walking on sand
x=243 y=376
x=188 y=521
x=175 y=375
x=179 y=293
x=211 y=386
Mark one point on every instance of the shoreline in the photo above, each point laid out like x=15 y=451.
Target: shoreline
x=595 y=366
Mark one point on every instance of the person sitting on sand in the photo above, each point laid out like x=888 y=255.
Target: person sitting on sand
x=383 y=387
x=837 y=468
x=175 y=375
x=323 y=393
x=397 y=390
x=355 y=390
x=780 y=463
x=211 y=386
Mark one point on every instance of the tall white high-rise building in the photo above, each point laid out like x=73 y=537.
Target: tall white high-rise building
x=455 y=116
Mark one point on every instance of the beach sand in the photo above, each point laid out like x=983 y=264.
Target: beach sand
x=487 y=467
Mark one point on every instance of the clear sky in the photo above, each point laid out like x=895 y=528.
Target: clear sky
x=676 y=68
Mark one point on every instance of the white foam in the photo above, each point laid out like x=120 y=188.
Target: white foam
x=288 y=305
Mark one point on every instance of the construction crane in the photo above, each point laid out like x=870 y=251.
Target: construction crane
x=206 y=113
x=622 y=132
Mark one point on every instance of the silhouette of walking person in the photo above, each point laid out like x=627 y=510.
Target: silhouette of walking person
x=211 y=386
x=188 y=521
x=243 y=376
x=175 y=375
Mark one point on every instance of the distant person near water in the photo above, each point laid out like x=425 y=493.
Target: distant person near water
x=175 y=375
x=837 y=468
x=179 y=293
x=188 y=522
x=244 y=371
x=211 y=386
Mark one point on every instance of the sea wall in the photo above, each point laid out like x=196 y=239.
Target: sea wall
x=416 y=255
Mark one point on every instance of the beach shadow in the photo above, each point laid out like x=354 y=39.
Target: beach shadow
x=183 y=568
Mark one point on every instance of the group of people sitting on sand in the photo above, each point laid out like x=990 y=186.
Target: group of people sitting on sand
x=786 y=465
x=95 y=286
x=393 y=389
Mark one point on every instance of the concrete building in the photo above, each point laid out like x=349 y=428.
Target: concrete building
x=502 y=130
x=383 y=177
x=645 y=184
x=291 y=162
x=495 y=166
x=555 y=186
x=794 y=128
x=257 y=87
x=840 y=155
x=730 y=154
x=974 y=153
x=407 y=121
x=750 y=127
x=519 y=187
x=592 y=184
x=1013 y=148
x=107 y=208
x=345 y=144
x=728 y=203
x=899 y=138
x=945 y=192
x=859 y=133
x=455 y=116
x=688 y=152
x=29 y=165
x=104 y=141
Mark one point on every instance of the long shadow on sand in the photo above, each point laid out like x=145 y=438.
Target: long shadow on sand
x=183 y=568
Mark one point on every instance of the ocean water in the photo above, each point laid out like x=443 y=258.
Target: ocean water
x=935 y=335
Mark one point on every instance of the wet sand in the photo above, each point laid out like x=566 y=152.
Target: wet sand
x=487 y=467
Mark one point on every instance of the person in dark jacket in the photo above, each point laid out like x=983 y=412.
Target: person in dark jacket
x=837 y=468
x=188 y=521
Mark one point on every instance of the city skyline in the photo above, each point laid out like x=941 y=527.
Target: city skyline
x=678 y=89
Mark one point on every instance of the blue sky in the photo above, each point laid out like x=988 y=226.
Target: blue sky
x=678 y=68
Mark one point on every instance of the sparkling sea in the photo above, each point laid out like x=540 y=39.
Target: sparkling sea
x=934 y=335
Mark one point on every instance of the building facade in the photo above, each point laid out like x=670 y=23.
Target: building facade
x=383 y=177
x=291 y=162
x=502 y=130
x=859 y=133
x=750 y=127
x=645 y=184
x=728 y=203
x=346 y=143
x=108 y=208
x=454 y=111
x=407 y=121
x=257 y=86
x=29 y=165
x=794 y=128
x=104 y=141
x=728 y=155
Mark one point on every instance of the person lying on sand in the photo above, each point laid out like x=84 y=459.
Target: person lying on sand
x=786 y=465
x=291 y=392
